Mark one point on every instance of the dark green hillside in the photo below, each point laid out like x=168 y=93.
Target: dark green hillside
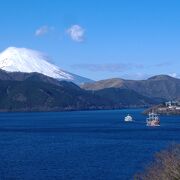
x=126 y=97
x=40 y=96
x=36 y=92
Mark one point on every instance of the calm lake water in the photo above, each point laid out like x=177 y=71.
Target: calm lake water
x=80 y=145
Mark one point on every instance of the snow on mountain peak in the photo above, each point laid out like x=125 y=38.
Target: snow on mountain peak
x=26 y=60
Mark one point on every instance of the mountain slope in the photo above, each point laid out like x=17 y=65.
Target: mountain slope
x=161 y=86
x=37 y=92
x=40 y=96
x=126 y=98
x=26 y=60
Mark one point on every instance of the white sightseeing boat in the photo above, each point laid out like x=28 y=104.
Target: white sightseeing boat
x=128 y=118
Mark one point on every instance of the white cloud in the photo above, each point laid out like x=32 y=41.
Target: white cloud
x=175 y=75
x=43 y=30
x=76 y=33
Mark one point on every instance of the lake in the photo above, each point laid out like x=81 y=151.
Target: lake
x=80 y=145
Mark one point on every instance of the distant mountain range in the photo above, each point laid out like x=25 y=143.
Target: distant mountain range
x=161 y=86
x=37 y=92
x=29 y=82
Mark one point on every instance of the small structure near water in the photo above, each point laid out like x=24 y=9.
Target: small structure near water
x=168 y=108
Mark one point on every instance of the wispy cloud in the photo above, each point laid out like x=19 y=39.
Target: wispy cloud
x=43 y=30
x=162 y=64
x=119 y=67
x=76 y=33
x=175 y=75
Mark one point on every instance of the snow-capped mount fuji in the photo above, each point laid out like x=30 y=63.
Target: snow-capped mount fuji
x=27 y=61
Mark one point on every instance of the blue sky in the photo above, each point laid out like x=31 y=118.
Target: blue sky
x=97 y=39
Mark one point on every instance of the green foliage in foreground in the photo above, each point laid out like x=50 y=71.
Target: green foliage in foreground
x=165 y=167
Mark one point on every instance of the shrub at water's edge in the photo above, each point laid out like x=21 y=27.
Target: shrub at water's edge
x=166 y=166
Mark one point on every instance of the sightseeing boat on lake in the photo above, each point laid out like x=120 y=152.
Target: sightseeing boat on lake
x=153 y=120
x=128 y=118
